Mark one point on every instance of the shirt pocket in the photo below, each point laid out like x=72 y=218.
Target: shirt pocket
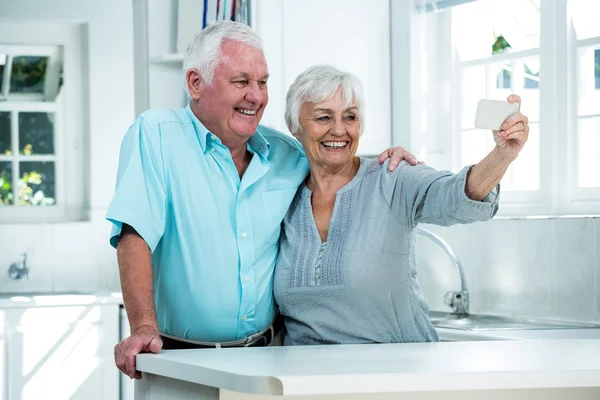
x=275 y=205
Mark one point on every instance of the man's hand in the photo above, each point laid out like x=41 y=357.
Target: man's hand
x=397 y=154
x=514 y=132
x=145 y=339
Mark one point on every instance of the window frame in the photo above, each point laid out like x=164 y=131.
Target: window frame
x=558 y=193
x=516 y=200
x=69 y=137
x=580 y=198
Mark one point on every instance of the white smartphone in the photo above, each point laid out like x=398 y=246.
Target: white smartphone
x=492 y=113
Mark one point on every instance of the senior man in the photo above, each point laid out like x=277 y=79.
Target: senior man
x=200 y=197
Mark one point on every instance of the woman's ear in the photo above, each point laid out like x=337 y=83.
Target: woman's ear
x=195 y=83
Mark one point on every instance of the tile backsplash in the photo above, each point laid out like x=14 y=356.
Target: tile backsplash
x=61 y=257
x=541 y=267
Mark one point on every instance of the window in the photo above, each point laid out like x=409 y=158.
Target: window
x=503 y=59
x=27 y=124
x=40 y=174
x=586 y=26
x=491 y=48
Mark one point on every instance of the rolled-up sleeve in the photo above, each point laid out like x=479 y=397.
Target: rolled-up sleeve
x=425 y=195
x=140 y=195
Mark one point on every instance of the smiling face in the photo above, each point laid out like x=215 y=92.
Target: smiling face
x=233 y=105
x=330 y=131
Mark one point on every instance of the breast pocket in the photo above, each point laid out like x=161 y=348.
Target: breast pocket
x=275 y=205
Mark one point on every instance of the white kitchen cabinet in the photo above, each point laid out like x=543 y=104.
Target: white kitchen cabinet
x=61 y=352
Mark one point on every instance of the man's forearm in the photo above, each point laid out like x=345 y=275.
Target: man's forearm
x=484 y=176
x=135 y=269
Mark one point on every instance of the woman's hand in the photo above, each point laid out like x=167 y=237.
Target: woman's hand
x=397 y=154
x=513 y=133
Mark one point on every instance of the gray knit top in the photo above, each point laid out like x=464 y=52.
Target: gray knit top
x=361 y=286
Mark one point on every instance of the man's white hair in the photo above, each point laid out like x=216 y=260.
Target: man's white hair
x=317 y=84
x=204 y=51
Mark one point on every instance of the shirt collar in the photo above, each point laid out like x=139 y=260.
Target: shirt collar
x=201 y=130
x=260 y=145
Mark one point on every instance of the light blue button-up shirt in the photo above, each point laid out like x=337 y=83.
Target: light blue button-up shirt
x=213 y=236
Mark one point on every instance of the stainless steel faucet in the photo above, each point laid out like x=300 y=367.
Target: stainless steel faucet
x=458 y=300
x=19 y=269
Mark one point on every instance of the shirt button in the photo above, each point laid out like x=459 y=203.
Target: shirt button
x=246 y=279
x=244 y=235
x=317 y=276
x=213 y=149
x=245 y=318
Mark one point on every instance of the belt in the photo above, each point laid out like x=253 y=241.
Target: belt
x=260 y=339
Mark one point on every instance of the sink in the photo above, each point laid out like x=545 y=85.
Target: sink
x=6 y=295
x=481 y=322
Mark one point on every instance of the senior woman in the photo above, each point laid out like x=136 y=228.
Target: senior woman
x=346 y=271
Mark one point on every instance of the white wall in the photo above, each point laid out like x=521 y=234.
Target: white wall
x=76 y=256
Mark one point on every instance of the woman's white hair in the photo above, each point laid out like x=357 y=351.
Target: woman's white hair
x=317 y=84
x=204 y=51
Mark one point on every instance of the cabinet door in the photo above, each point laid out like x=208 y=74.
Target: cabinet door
x=63 y=352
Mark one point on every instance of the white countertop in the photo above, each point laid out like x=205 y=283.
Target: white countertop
x=380 y=368
x=518 y=334
x=28 y=299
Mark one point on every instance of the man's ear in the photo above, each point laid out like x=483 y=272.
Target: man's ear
x=195 y=83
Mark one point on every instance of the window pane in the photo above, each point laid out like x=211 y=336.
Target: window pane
x=36 y=133
x=6 y=194
x=528 y=87
x=532 y=79
x=28 y=74
x=3 y=59
x=5 y=138
x=524 y=172
x=585 y=17
x=473 y=88
x=493 y=90
x=475 y=144
x=486 y=27
x=503 y=78
x=588 y=81
x=37 y=183
x=588 y=143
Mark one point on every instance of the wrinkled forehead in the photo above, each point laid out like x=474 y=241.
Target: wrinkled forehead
x=239 y=57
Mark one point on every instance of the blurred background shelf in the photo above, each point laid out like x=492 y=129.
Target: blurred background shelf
x=168 y=58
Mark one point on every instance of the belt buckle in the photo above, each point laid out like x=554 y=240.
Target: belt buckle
x=253 y=339
x=250 y=340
